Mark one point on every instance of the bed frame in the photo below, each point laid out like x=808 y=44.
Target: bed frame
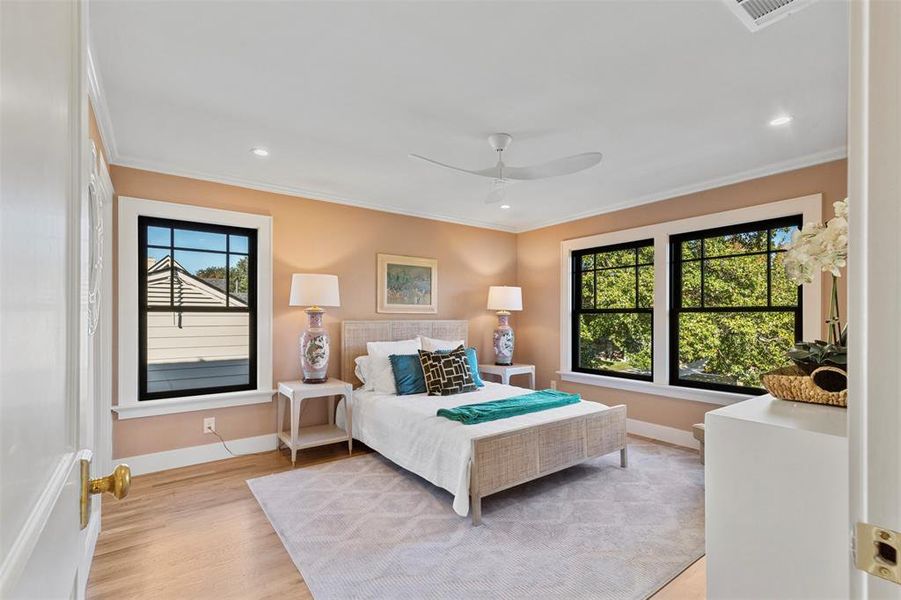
x=503 y=460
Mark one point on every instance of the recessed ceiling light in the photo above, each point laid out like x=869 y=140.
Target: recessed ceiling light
x=783 y=120
x=260 y=151
x=505 y=206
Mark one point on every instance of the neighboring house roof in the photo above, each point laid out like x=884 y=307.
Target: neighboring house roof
x=187 y=290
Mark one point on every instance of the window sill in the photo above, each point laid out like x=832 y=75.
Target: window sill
x=657 y=389
x=167 y=406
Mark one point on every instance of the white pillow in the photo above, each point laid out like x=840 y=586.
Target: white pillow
x=432 y=345
x=361 y=369
x=380 y=376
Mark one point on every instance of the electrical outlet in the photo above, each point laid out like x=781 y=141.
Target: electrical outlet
x=209 y=425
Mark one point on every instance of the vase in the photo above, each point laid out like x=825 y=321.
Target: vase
x=314 y=349
x=503 y=340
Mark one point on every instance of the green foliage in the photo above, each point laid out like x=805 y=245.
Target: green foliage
x=238 y=276
x=211 y=273
x=730 y=347
x=617 y=341
x=237 y=282
x=733 y=348
x=819 y=353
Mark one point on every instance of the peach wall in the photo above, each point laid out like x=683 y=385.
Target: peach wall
x=538 y=272
x=345 y=241
x=320 y=237
x=315 y=236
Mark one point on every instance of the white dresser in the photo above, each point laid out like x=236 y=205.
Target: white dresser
x=776 y=482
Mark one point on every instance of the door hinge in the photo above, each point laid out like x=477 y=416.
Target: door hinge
x=876 y=551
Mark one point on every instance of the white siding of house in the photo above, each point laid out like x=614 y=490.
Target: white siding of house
x=192 y=349
x=208 y=350
x=202 y=337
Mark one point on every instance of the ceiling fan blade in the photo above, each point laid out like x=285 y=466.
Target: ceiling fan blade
x=492 y=172
x=554 y=168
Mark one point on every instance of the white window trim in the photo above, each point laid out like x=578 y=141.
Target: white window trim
x=811 y=209
x=130 y=209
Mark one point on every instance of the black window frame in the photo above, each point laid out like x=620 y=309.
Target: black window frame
x=675 y=301
x=577 y=310
x=144 y=222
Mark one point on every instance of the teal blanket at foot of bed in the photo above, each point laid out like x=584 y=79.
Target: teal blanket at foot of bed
x=470 y=414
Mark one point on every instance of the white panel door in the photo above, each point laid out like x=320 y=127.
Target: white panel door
x=874 y=399
x=46 y=416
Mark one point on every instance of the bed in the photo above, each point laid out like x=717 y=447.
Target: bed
x=471 y=461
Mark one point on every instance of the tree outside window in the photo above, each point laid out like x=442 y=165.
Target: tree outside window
x=613 y=310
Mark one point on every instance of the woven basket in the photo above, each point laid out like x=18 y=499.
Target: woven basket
x=791 y=383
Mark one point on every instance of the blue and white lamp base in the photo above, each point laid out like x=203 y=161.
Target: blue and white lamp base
x=314 y=349
x=503 y=340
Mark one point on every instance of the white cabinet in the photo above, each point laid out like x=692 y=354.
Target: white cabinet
x=777 y=500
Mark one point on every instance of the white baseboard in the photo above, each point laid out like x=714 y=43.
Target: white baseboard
x=195 y=455
x=671 y=435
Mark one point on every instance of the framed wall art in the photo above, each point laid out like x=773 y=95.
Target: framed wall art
x=407 y=284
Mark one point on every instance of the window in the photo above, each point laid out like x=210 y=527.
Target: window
x=734 y=312
x=612 y=313
x=197 y=308
x=692 y=335
x=194 y=291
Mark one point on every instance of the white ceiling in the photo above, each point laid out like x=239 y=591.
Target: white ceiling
x=676 y=94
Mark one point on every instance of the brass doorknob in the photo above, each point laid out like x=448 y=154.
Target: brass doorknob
x=116 y=484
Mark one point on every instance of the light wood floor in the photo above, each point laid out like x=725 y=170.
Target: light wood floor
x=198 y=532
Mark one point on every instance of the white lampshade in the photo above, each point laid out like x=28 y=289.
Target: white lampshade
x=309 y=289
x=504 y=297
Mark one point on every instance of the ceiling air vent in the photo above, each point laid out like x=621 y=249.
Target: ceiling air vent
x=757 y=14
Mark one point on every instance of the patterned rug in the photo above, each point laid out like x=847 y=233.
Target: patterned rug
x=365 y=528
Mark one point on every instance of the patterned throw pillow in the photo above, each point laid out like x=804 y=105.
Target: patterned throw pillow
x=446 y=373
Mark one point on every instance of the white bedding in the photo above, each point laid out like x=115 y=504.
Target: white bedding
x=406 y=430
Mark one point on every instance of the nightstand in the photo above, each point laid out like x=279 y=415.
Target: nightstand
x=505 y=371
x=295 y=394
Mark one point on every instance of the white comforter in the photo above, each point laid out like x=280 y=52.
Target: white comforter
x=406 y=430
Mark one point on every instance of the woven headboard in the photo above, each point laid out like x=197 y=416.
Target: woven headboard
x=355 y=334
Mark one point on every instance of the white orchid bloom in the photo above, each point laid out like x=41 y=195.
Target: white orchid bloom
x=818 y=247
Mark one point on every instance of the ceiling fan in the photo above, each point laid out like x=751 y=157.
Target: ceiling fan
x=502 y=174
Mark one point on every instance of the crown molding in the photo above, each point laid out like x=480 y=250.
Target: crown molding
x=98 y=103
x=772 y=169
x=126 y=161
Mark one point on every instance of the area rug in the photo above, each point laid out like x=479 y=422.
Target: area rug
x=365 y=528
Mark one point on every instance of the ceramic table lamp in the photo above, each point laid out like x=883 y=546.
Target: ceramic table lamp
x=314 y=292
x=503 y=299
